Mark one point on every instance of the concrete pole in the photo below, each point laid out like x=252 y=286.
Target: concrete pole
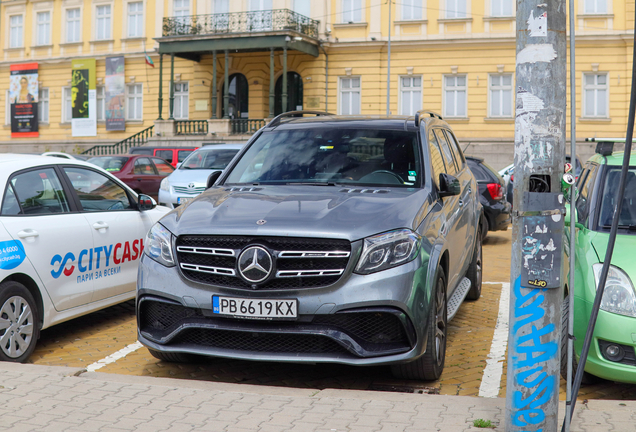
x=272 y=84
x=160 y=101
x=214 y=89
x=388 y=67
x=537 y=276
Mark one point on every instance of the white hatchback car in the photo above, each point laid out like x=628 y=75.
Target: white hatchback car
x=71 y=236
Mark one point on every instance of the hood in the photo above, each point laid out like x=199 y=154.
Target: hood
x=299 y=211
x=623 y=249
x=185 y=176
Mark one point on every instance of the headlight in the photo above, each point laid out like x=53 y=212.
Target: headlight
x=619 y=296
x=164 y=186
x=159 y=245
x=390 y=249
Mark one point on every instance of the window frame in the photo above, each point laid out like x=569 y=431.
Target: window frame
x=414 y=7
x=67 y=111
x=401 y=91
x=139 y=16
x=69 y=193
x=140 y=96
x=349 y=90
x=501 y=88
x=457 y=14
x=354 y=12
x=134 y=206
x=77 y=21
x=181 y=8
x=12 y=42
x=501 y=13
x=100 y=100
x=42 y=100
x=595 y=87
x=107 y=19
x=181 y=95
x=596 y=10
x=38 y=24
x=455 y=89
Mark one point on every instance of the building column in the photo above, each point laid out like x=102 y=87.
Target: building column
x=285 y=107
x=272 y=84
x=226 y=86
x=160 y=101
x=171 y=87
x=214 y=84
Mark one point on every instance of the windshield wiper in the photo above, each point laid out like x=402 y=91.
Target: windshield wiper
x=313 y=183
x=627 y=227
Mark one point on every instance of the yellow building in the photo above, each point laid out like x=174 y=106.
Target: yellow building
x=455 y=57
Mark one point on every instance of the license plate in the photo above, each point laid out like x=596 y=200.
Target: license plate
x=255 y=308
x=183 y=200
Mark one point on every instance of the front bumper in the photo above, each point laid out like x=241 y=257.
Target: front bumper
x=499 y=215
x=359 y=320
x=170 y=198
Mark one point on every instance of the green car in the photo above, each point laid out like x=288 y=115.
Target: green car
x=612 y=353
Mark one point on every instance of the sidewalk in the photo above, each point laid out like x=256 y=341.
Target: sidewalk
x=44 y=398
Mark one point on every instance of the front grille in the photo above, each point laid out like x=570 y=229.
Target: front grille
x=187 y=190
x=260 y=342
x=161 y=315
x=299 y=262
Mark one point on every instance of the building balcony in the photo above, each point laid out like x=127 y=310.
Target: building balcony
x=263 y=21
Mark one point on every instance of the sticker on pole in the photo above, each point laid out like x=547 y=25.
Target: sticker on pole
x=538 y=27
x=11 y=254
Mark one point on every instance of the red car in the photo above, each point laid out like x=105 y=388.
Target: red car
x=141 y=172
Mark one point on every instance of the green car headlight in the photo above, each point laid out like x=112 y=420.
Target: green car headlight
x=159 y=245
x=387 y=250
x=619 y=296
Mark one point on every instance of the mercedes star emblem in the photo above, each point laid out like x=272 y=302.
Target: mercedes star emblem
x=191 y=186
x=255 y=264
x=261 y=222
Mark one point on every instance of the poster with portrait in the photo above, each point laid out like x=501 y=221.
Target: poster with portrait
x=23 y=99
x=115 y=94
x=83 y=98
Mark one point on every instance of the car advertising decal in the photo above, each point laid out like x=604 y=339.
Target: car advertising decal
x=11 y=254
x=114 y=256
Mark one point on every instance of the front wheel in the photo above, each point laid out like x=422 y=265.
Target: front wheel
x=474 y=273
x=430 y=365
x=587 y=377
x=19 y=322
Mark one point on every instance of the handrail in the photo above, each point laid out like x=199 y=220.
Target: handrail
x=276 y=120
x=138 y=139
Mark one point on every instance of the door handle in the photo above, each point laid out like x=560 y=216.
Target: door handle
x=28 y=233
x=461 y=203
x=100 y=225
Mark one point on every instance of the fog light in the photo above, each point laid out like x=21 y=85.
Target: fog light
x=614 y=353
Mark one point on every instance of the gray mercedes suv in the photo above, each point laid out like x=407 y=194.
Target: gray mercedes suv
x=328 y=239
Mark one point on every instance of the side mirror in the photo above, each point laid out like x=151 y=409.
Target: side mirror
x=212 y=179
x=144 y=203
x=448 y=186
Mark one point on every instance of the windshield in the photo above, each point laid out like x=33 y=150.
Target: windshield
x=609 y=195
x=109 y=163
x=209 y=159
x=317 y=155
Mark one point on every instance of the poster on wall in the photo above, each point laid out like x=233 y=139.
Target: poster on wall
x=115 y=94
x=23 y=98
x=83 y=98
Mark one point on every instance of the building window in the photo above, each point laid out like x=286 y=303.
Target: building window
x=500 y=8
x=455 y=8
x=455 y=96
x=595 y=95
x=101 y=104
x=181 y=8
x=500 y=95
x=350 y=96
x=220 y=6
x=351 y=11
x=410 y=95
x=72 y=25
x=181 y=100
x=411 y=9
x=44 y=28
x=43 y=105
x=15 y=31
x=135 y=19
x=134 y=102
x=67 y=106
x=595 y=6
x=303 y=7
x=103 y=22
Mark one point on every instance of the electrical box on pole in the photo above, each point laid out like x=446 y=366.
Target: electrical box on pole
x=537 y=273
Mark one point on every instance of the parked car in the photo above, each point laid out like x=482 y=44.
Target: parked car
x=174 y=155
x=327 y=239
x=142 y=173
x=71 y=236
x=497 y=211
x=65 y=155
x=191 y=178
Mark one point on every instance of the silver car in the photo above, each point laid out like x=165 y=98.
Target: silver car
x=191 y=176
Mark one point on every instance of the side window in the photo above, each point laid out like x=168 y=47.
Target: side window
x=97 y=192
x=451 y=168
x=437 y=162
x=37 y=192
x=181 y=155
x=143 y=167
x=479 y=173
x=582 y=202
x=10 y=206
x=457 y=152
x=163 y=167
x=164 y=154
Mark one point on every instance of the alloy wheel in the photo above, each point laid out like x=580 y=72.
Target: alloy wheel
x=16 y=326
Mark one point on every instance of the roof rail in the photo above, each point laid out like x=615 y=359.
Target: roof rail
x=276 y=120
x=425 y=112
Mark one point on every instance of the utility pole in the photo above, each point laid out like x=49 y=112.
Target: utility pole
x=537 y=276
x=388 y=68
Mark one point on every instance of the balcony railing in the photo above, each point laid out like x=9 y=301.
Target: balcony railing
x=240 y=22
x=192 y=127
x=245 y=126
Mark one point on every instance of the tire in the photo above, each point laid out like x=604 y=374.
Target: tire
x=430 y=365
x=19 y=331
x=587 y=377
x=475 y=270
x=485 y=227
x=172 y=357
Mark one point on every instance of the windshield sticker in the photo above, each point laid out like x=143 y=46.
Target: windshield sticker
x=411 y=178
x=412 y=173
x=11 y=254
